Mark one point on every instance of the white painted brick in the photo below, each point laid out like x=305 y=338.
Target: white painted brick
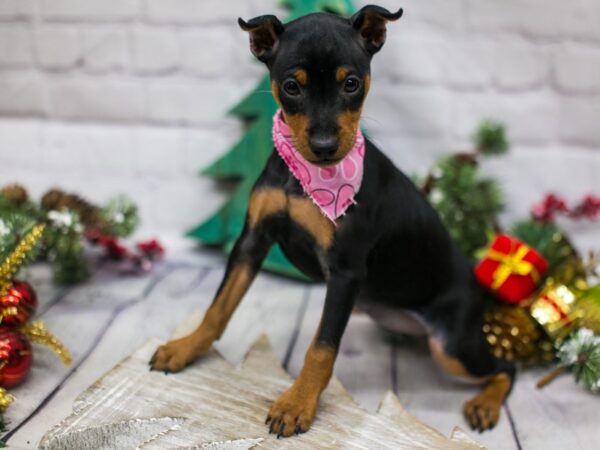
x=97 y=99
x=158 y=151
x=411 y=111
x=519 y=65
x=89 y=149
x=541 y=18
x=17 y=9
x=444 y=13
x=212 y=52
x=577 y=68
x=570 y=171
x=57 y=48
x=19 y=146
x=105 y=49
x=16 y=49
x=90 y=10
x=192 y=103
x=194 y=11
x=531 y=118
x=579 y=121
x=203 y=146
x=410 y=58
x=582 y=19
x=154 y=51
x=22 y=94
x=468 y=63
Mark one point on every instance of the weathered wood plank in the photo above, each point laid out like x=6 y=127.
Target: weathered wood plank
x=211 y=403
x=560 y=416
x=435 y=398
x=78 y=320
x=186 y=290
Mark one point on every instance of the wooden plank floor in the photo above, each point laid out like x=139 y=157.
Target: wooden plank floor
x=111 y=316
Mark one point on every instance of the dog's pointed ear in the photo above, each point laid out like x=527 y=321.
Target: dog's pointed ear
x=370 y=22
x=264 y=35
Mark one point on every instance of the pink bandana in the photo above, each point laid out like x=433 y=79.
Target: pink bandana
x=333 y=188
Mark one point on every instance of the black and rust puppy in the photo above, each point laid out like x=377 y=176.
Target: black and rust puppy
x=390 y=250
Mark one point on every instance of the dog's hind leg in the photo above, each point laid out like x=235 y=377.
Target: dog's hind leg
x=469 y=357
x=244 y=262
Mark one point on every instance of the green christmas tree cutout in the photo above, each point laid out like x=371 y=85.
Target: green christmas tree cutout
x=246 y=160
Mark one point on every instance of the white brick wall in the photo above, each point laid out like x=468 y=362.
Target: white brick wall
x=131 y=95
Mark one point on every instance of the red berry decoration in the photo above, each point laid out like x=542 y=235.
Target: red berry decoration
x=18 y=305
x=15 y=358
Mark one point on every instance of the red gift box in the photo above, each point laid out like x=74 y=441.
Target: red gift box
x=511 y=269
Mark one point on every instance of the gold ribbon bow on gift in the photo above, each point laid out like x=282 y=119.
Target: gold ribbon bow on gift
x=512 y=264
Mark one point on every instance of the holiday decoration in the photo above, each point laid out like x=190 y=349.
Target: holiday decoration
x=38 y=333
x=514 y=335
x=15 y=358
x=554 y=310
x=510 y=269
x=581 y=355
x=13 y=260
x=246 y=160
x=71 y=222
x=128 y=408
x=467 y=202
x=548 y=240
x=552 y=206
x=18 y=304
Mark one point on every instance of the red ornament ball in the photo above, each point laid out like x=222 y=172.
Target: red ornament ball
x=19 y=304
x=15 y=358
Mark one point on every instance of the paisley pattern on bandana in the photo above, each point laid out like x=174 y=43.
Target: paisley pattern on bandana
x=333 y=188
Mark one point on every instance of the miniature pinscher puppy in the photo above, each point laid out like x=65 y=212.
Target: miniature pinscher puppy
x=390 y=251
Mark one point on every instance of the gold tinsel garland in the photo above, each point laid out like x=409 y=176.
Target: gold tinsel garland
x=13 y=262
x=37 y=332
x=5 y=399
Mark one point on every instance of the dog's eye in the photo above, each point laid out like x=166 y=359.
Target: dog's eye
x=351 y=84
x=291 y=87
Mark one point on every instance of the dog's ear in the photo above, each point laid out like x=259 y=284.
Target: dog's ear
x=370 y=23
x=264 y=35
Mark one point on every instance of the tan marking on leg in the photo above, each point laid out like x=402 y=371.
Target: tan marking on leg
x=298 y=123
x=275 y=91
x=340 y=74
x=450 y=364
x=176 y=354
x=265 y=202
x=301 y=77
x=306 y=214
x=295 y=409
x=483 y=411
x=348 y=122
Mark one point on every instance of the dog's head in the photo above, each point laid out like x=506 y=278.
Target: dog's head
x=320 y=74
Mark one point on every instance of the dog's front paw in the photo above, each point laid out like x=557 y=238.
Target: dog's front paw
x=292 y=413
x=174 y=355
x=482 y=412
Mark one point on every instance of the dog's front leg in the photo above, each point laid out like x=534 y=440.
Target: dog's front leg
x=244 y=262
x=294 y=411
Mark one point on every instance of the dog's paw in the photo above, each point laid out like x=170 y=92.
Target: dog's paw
x=173 y=356
x=482 y=412
x=292 y=413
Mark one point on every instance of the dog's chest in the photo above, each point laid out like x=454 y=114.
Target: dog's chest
x=308 y=238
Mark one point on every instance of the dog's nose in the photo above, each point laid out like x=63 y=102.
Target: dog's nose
x=324 y=147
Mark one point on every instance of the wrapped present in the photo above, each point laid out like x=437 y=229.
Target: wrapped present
x=555 y=310
x=511 y=269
